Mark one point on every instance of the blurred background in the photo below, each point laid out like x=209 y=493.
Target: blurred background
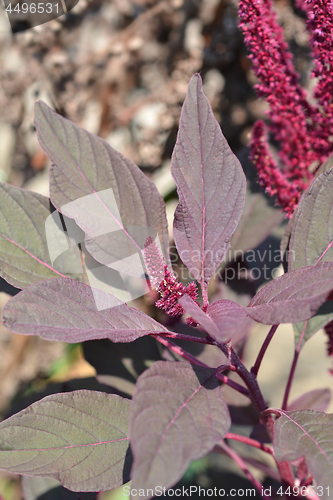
x=120 y=69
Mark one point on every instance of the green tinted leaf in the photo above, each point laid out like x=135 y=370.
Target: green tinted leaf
x=307 y=434
x=78 y=438
x=45 y=488
x=24 y=255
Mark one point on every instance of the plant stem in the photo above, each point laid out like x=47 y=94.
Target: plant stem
x=256 y=366
x=190 y=338
x=249 y=441
x=293 y=368
x=249 y=379
x=286 y=472
x=186 y=355
x=240 y=462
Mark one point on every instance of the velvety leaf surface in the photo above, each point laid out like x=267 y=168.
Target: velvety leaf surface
x=78 y=438
x=323 y=316
x=318 y=399
x=223 y=319
x=307 y=434
x=64 y=309
x=109 y=197
x=312 y=232
x=24 y=256
x=312 y=236
x=177 y=415
x=293 y=297
x=210 y=184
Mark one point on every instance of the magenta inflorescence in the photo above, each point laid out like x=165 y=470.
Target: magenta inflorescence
x=303 y=131
x=166 y=283
x=171 y=291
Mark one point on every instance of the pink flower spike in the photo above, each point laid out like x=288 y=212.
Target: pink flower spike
x=154 y=262
x=171 y=291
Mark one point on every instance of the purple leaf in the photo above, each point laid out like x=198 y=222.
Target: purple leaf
x=66 y=310
x=318 y=399
x=177 y=415
x=312 y=237
x=24 y=255
x=111 y=200
x=312 y=232
x=78 y=438
x=210 y=184
x=307 y=434
x=293 y=297
x=222 y=320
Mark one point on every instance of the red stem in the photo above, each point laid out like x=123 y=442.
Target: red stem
x=263 y=350
x=249 y=441
x=186 y=355
x=240 y=462
x=293 y=368
x=190 y=338
x=285 y=469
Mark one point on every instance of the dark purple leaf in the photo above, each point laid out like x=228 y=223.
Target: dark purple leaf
x=318 y=399
x=293 y=297
x=66 y=310
x=177 y=415
x=223 y=319
x=311 y=239
x=307 y=434
x=312 y=231
x=78 y=438
x=24 y=255
x=210 y=184
x=115 y=204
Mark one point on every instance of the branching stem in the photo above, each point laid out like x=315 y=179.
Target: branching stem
x=270 y=335
x=249 y=441
x=186 y=355
x=285 y=469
